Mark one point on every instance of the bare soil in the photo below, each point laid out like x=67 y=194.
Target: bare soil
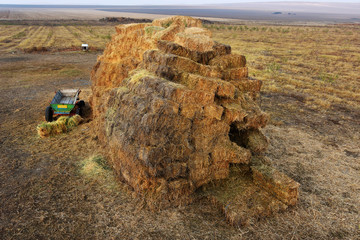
x=43 y=195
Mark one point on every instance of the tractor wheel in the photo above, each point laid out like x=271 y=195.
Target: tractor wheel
x=81 y=103
x=79 y=111
x=49 y=114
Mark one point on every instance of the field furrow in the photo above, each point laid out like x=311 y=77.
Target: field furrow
x=13 y=42
x=83 y=37
x=63 y=38
x=33 y=33
x=50 y=39
x=43 y=37
x=8 y=31
x=37 y=39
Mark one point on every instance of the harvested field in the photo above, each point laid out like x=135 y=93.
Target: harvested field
x=52 y=38
x=48 y=188
x=318 y=65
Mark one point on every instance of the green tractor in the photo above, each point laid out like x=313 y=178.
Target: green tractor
x=65 y=102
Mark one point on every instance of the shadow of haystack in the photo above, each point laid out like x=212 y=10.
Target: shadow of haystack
x=177 y=111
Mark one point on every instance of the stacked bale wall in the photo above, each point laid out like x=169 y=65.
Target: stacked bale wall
x=175 y=109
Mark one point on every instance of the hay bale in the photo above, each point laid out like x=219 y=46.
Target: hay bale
x=228 y=61
x=201 y=43
x=277 y=183
x=198 y=31
x=183 y=21
x=241 y=200
x=175 y=110
x=61 y=125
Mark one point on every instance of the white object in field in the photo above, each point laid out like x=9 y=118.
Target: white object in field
x=84 y=47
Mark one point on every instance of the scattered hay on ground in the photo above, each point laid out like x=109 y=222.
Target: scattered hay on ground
x=61 y=125
x=96 y=169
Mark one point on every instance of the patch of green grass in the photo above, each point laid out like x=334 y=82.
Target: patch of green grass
x=273 y=68
x=327 y=77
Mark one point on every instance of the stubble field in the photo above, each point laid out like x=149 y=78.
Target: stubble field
x=52 y=38
x=310 y=87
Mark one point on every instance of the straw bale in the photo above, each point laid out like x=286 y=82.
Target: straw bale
x=61 y=125
x=247 y=85
x=175 y=110
x=225 y=89
x=213 y=111
x=256 y=120
x=198 y=168
x=237 y=154
x=241 y=200
x=176 y=170
x=235 y=73
x=176 y=49
x=169 y=65
x=221 y=49
x=279 y=184
x=198 y=31
x=189 y=110
x=178 y=20
x=73 y=121
x=151 y=30
x=228 y=61
x=233 y=113
x=128 y=28
x=201 y=43
x=255 y=141
x=200 y=83
x=169 y=34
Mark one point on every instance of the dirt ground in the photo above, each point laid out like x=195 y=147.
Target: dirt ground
x=44 y=196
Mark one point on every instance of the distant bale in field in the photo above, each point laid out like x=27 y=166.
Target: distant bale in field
x=61 y=125
x=176 y=109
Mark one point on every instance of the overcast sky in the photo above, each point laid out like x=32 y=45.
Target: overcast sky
x=153 y=2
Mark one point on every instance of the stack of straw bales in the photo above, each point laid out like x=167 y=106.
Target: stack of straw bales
x=61 y=125
x=176 y=109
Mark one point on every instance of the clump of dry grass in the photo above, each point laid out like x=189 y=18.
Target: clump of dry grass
x=96 y=169
x=63 y=124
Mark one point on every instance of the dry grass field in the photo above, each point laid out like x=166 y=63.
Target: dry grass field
x=61 y=187
x=318 y=64
x=52 y=38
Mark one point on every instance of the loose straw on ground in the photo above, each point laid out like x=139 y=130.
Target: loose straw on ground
x=63 y=124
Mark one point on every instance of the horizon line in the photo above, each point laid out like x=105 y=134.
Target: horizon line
x=51 y=4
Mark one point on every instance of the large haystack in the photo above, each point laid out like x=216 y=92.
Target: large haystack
x=176 y=110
